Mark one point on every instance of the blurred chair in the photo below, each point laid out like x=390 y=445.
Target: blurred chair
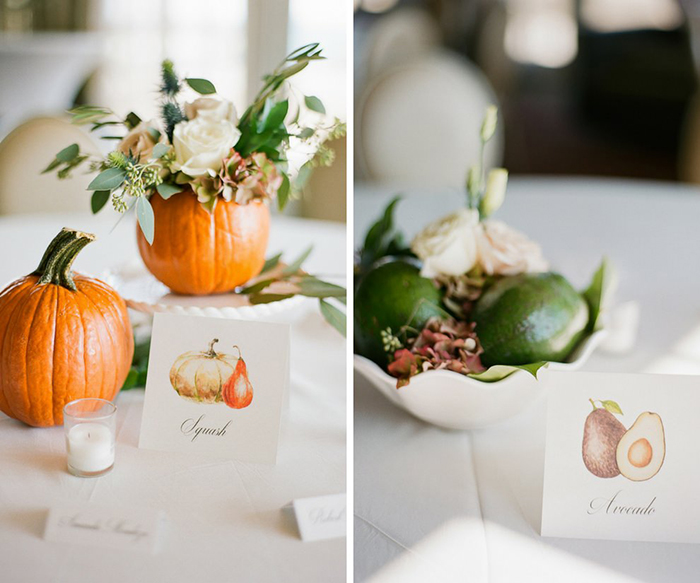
x=324 y=195
x=418 y=124
x=400 y=37
x=25 y=152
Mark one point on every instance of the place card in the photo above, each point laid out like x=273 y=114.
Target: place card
x=216 y=386
x=622 y=458
x=321 y=517
x=110 y=527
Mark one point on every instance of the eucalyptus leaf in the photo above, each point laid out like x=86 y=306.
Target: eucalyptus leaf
x=68 y=154
x=333 y=316
x=598 y=293
x=283 y=192
x=271 y=263
x=99 y=200
x=314 y=104
x=144 y=214
x=108 y=179
x=306 y=133
x=315 y=288
x=159 y=150
x=201 y=86
x=256 y=299
x=258 y=287
x=295 y=265
x=167 y=190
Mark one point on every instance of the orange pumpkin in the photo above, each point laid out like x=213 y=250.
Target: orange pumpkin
x=197 y=252
x=63 y=336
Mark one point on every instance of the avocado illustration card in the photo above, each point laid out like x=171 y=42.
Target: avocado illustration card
x=622 y=458
x=216 y=386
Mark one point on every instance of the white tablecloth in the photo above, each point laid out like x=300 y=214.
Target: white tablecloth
x=439 y=505
x=224 y=518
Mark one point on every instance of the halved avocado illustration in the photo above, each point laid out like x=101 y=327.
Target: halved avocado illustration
x=642 y=449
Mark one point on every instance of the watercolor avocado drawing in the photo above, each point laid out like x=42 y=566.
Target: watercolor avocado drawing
x=212 y=377
x=610 y=450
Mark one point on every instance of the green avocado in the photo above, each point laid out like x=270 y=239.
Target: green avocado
x=528 y=318
x=392 y=295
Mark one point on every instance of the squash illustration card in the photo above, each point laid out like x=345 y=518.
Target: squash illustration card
x=216 y=386
x=622 y=458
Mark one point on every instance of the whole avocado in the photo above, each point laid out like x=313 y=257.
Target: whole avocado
x=392 y=294
x=528 y=318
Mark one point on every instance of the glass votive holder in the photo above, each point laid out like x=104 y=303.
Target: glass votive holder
x=90 y=428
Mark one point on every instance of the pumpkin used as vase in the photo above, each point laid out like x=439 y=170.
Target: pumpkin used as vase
x=63 y=336
x=198 y=252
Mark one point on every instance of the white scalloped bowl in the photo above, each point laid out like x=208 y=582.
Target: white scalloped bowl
x=454 y=401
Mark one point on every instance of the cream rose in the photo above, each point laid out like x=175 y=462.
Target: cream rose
x=448 y=246
x=214 y=108
x=201 y=144
x=505 y=251
x=138 y=142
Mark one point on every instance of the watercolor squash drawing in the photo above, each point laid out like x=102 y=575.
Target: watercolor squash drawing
x=212 y=377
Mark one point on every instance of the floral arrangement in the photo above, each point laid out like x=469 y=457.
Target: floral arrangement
x=490 y=306
x=203 y=144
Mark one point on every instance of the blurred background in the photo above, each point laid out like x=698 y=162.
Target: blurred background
x=55 y=54
x=585 y=87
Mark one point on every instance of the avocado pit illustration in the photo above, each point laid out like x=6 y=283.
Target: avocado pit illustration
x=610 y=450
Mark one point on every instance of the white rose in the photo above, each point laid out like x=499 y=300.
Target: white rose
x=448 y=246
x=505 y=251
x=138 y=142
x=201 y=144
x=214 y=108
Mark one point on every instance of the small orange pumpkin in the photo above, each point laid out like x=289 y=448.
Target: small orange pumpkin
x=197 y=252
x=200 y=376
x=63 y=336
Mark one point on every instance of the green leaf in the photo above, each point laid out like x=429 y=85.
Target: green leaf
x=382 y=239
x=612 y=406
x=167 y=190
x=314 y=104
x=295 y=265
x=201 y=86
x=333 y=316
x=500 y=371
x=131 y=379
x=54 y=164
x=108 y=179
x=159 y=150
x=283 y=192
x=315 y=288
x=258 y=287
x=67 y=154
x=132 y=120
x=144 y=214
x=256 y=299
x=154 y=133
x=306 y=133
x=598 y=293
x=99 y=199
x=276 y=115
x=271 y=263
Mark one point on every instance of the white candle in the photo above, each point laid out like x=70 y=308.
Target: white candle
x=90 y=447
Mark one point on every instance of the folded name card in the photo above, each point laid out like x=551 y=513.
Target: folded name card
x=321 y=517
x=622 y=458
x=216 y=387
x=108 y=527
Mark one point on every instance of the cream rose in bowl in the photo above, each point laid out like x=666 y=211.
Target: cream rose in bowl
x=449 y=246
x=505 y=251
x=213 y=107
x=202 y=143
x=138 y=142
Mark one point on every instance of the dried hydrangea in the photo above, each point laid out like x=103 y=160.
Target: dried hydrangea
x=442 y=344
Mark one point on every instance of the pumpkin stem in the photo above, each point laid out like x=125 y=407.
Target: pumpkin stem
x=55 y=265
x=210 y=352
x=240 y=356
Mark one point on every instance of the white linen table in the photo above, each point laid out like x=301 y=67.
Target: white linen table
x=224 y=519
x=432 y=504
